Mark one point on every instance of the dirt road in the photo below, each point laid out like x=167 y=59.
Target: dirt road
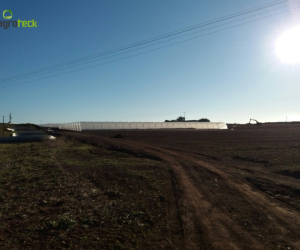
x=219 y=205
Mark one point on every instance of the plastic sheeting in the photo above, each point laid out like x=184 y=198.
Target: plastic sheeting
x=51 y=125
x=79 y=126
x=75 y=126
x=19 y=128
x=23 y=139
x=29 y=133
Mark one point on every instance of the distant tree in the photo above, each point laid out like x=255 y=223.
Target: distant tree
x=180 y=119
x=167 y=121
x=203 y=120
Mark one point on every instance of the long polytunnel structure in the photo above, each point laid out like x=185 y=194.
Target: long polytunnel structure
x=51 y=125
x=79 y=126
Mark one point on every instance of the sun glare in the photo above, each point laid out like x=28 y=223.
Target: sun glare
x=288 y=46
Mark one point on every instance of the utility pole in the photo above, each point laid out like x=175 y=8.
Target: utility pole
x=10 y=118
x=3 y=125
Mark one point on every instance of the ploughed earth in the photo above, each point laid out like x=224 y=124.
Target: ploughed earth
x=179 y=189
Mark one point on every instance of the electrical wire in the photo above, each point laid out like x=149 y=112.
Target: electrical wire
x=44 y=70
x=152 y=49
x=174 y=38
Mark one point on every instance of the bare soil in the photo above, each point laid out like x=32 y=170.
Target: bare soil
x=65 y=194
x=179 y=189
x=234 y=189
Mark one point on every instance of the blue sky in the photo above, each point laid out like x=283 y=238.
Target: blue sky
x=231 y=75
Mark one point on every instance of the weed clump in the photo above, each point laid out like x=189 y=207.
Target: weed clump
x=63 y=222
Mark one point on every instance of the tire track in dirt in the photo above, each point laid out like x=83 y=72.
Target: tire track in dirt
x=205 y=212
x=284 y=221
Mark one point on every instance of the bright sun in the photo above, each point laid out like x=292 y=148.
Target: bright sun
x=288 y=46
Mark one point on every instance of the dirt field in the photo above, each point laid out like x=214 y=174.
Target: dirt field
x=233 y=189
x=173 y=190
x=64 y=194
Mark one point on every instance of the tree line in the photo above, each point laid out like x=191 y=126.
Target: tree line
x=182 y=119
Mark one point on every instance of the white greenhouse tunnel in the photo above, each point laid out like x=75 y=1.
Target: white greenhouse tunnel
x=79 y=126
x=51 y=125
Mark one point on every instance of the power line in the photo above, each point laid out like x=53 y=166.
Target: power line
x=58 y=66
x=174 y=38
x=153 y=49
x=145 y=51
